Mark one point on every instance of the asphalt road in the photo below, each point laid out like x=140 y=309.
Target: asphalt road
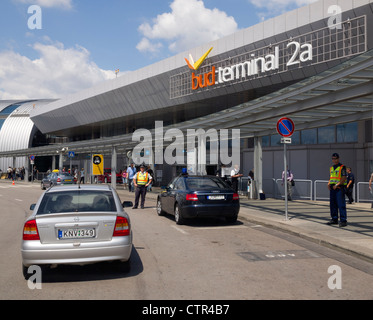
x=206 y=260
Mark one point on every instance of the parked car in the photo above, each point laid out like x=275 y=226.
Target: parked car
x=57 y=178
x=77 y=224
x=199 y=196
x=106 y=177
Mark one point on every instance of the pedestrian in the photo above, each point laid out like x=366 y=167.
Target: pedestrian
x=141 y=181
x=124 y=178
x=289 y=182
x=150 y=171
x=336 y=185
x=350 y=185
x=82 y=176
x=130 y=174
x=235 y=174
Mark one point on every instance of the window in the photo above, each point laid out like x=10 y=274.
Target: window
x=295 y=138
x=309 y=136
x=326 y=134
x=10 y=109
x=1 y=122
x=205 y=183
x=179 y=184
x=77 y=201
x=265 y=141
x=275 y=140
x=347 y=132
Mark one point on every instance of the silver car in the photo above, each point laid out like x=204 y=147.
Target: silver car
x=77 y=224
x=57 y=178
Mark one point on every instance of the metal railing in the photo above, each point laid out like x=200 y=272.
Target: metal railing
x=363 y=192
x=307 y=189
x=302 y=189
x=321 y=194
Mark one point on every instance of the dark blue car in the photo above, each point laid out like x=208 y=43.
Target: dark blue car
x=189 y=197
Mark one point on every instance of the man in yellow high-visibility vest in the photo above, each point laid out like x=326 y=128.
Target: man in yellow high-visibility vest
x=141 y=181
x=336 y=185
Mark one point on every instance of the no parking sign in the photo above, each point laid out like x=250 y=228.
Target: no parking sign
x=285 y=127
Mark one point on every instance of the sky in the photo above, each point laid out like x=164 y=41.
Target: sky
x=54 y=48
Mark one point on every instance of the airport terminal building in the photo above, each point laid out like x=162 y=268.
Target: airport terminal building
x=313 y=65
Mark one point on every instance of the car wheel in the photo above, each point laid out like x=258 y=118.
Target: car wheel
x=178 y=216
x=160 y=212
x=42 y=186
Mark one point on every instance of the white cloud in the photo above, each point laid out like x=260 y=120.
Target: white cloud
x=65 y=4
x=188 y=25
x=146 y=45
x=56 y=72
x=276 y=7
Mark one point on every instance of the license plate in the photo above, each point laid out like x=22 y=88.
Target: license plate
x=67 y=180
x=76 y=233
x=216 y=197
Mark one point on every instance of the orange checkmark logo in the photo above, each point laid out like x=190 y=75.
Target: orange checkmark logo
x=195 y=65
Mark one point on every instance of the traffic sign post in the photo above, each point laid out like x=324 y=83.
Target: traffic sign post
x=71 y=155
x=285 y=128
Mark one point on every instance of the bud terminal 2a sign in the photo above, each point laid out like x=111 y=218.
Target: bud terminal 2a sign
x=253 y=66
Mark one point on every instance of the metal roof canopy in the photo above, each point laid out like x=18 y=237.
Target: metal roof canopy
x=339 y=95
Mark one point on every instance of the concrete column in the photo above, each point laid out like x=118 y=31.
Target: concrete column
x=53 y=163
x=114 y=168
x=258 y=164
x=201 y=156
x=60 y=162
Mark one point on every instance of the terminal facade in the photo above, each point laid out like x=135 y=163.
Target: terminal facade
x=311 y=65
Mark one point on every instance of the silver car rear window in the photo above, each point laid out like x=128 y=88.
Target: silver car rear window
x=77 y=201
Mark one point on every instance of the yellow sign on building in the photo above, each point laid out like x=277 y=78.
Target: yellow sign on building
x=97 y=164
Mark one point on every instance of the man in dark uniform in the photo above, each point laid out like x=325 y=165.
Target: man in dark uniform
x=336 y=185
x=350 y=185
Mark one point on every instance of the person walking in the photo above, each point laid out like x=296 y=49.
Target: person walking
x=289 y=182
x=235 y=175
x=82 y=175
x=131 y=171
x=124 y=178
x=350 y=185
x=336 y=185
x=141 y=181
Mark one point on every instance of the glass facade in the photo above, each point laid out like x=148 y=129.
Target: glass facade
x=347 y=132
x=326 y=134
x=309 y=136
x=341 y=133
x=8 y=110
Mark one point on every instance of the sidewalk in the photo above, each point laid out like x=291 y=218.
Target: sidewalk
x=307 y=219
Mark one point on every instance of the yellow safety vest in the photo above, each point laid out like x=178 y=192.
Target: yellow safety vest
x=335 y=175
x=142 y=178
